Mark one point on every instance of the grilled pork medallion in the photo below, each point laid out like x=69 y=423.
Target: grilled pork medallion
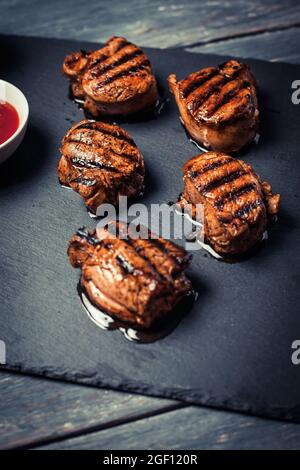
x=218 y=105
x=137 y=281
x=237 y=205
x=116 y=79
x=100 y=161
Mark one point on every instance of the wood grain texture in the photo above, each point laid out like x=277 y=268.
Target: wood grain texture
x=192 y=428
x=34 y=409
x=159 y=23
x=279 y=46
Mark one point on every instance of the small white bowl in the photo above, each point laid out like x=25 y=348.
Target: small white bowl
x=15 y=97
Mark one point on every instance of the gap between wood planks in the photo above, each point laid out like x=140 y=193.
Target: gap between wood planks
x=35 y=444
x=255 y=32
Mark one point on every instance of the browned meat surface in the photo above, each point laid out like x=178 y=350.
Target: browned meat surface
x=116 y=79
x=137 y=281
x=237 y=205
x=218 y=106
x=100 y=161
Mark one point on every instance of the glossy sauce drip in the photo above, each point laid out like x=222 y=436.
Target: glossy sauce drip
x=9 y=121
x=231 y=259
x=202 y=148
x=91 y=214
x=162 y=329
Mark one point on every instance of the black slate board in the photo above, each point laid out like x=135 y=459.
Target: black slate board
x=234 y=349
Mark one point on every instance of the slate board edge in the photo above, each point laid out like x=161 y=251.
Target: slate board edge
x=196 y=397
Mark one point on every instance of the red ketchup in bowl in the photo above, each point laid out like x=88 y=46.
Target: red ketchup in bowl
x=9 y=121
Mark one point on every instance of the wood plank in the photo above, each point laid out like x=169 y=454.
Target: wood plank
x=279 y=46
x=160 y=23
x=189 y=429
x=34 y=409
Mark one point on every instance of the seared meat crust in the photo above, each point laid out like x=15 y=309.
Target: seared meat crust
x=218 y=105
x=237 y=205
x=116 y=79
x=137 y=281
x=100 y=161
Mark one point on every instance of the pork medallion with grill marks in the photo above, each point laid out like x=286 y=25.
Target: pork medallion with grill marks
x=237 y=205
x=100 y=161
x=218 y=105
x=138 y=281
x=116 y=79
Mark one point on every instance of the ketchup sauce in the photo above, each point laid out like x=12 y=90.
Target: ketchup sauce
x=9 y=121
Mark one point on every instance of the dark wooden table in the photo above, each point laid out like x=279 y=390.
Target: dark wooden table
x=41 y=413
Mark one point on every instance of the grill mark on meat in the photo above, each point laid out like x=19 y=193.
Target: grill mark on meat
x=129 y=268
x=220 y=181
x=207 y=168
x=98 y=128
x=165 y=251
x=123 y=73
x=84 y=181
x=197 y=83
x=121 y=45
x=88 y=163
x=125 y=265
x=242 y=212
x=98 y=61
x=245 y=210
x=239 y=110
x=230 y=95
x=163 y=248
x=122 y=60
x=83 y=233
x=129 y=156
x=234 y=194
x=200 y=100
x=107 y=245
x=138 y=250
